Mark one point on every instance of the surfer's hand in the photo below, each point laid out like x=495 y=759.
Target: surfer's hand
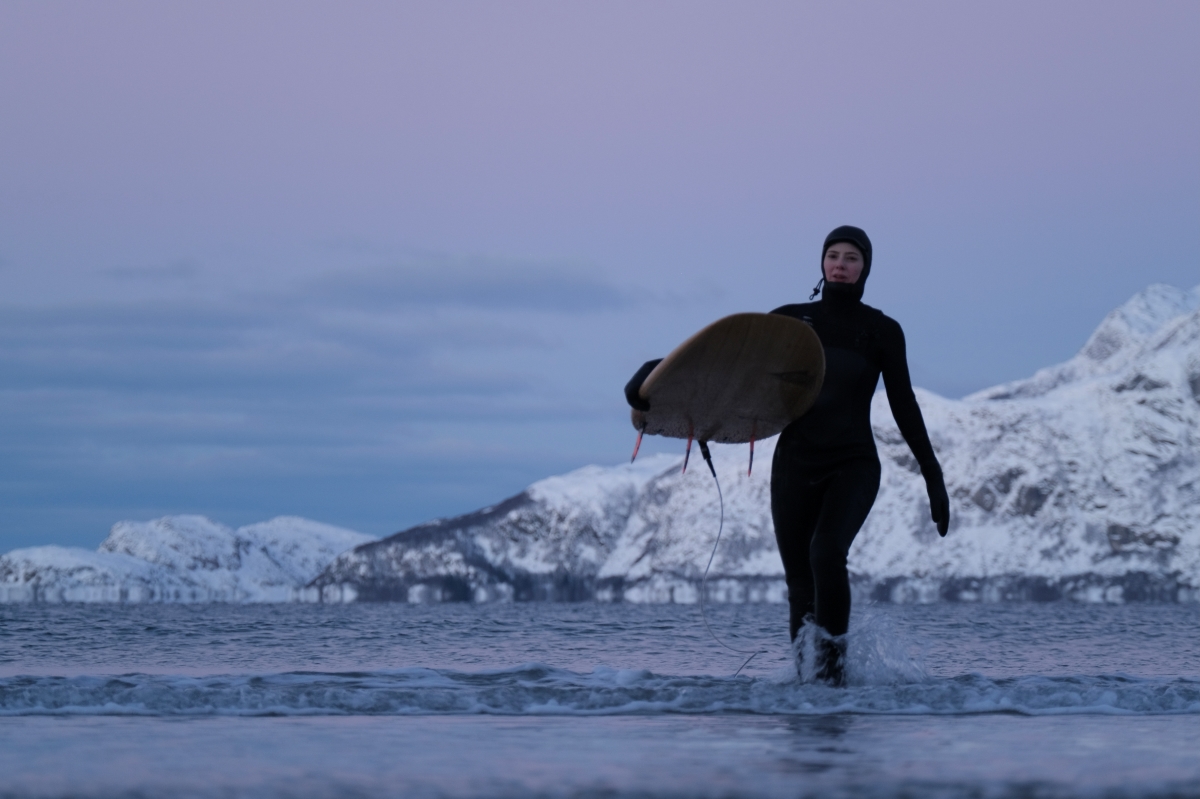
x=939 y=500
x=635 y=383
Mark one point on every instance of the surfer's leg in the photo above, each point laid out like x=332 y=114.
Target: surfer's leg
x=795 y=508
x=846 y=502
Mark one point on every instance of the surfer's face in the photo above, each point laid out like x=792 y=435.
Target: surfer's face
x=843 y=263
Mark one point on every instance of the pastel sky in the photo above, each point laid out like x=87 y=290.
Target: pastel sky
x=374 y=263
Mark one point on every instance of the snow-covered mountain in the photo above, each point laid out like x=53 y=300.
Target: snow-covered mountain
x=180 y=559
x=1082 y=481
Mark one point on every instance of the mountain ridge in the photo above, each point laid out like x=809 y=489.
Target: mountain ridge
x=179 y=559
x=1081 y=481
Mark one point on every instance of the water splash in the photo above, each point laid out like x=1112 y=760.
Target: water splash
x=877 y=653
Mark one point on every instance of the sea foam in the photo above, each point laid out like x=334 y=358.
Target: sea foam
x=538 y=690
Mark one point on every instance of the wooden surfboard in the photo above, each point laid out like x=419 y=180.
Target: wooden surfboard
x=742 y=378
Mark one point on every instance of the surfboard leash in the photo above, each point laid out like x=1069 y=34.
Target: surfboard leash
x=704 y=581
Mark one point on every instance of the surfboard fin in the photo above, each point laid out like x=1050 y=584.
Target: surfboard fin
x=753 y=430
x=638 y=445
x=708 y=458
x=687 y=453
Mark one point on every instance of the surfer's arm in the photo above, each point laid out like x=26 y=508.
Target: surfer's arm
x=908 y=417
x=635 y=383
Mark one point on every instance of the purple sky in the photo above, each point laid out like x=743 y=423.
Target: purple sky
x=375 y=263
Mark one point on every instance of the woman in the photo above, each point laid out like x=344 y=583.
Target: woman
x=826 y=470
x=825 y=474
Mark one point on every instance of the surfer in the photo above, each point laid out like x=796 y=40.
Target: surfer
x=825 y=473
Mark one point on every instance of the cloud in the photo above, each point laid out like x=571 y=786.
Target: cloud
x=349 y=356
x=476 y=283
x=181 y=269
x=394 y=318
x=323 y=396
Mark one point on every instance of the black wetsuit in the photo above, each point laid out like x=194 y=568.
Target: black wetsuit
x=825 y=474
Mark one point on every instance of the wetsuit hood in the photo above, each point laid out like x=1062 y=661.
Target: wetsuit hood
x=846 y=292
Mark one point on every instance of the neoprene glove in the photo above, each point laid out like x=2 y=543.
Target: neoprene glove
x=939 y=500
x=635 y=383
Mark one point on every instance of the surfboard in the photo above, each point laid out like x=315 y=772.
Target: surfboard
x=742 y=378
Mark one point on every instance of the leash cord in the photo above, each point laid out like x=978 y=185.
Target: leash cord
x=704 y=580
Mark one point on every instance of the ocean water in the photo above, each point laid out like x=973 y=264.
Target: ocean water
x=594 y=700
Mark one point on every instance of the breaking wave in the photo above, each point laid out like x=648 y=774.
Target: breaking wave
x=535 y=689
